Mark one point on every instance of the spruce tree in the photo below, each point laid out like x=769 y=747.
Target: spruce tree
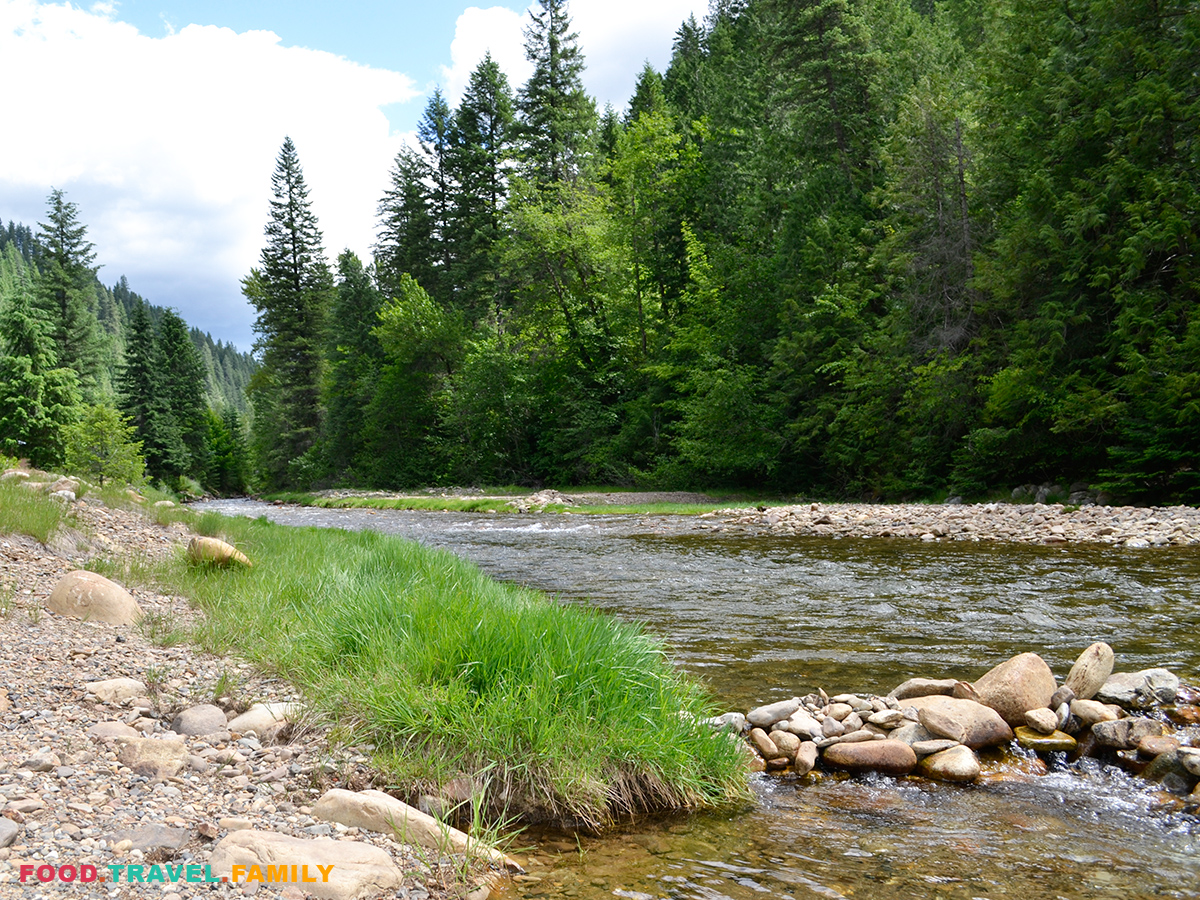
x=183 y=385
x=406 y=240
x=143 y=399
x=291 y=292
x=66 y=292
x=557 y=115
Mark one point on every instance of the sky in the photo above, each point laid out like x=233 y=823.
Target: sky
x=162 y=119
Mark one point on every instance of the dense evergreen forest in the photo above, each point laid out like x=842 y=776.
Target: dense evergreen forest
x=75 y=353
x=865 y=248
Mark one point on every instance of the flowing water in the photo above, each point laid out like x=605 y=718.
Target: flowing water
x=762 y=618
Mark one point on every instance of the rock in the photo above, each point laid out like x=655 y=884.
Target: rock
x=888 y=718
x=153 y=757
x=943 y=725
x=965 y=691
x=806 y=758
x=1153 y=746
x=8 y=832
x=262 y=717
x=840 y=711
x=1043 y=721
x=802 y=724
x=116 y=690
x=1139 y=689
x=887 y=756
x=1125 y=734
x=200 y=720
x=923 y=687
x=1089 y=712
x=732 y=721
x=1164 y=685
x=928 y=748
x=149 y=838
x=377 y=811
x=786 y=742
x=1189 y=758
x=355 y=871
x=766 y=716
x=1063 y=695
x=831 y=727
x=44 y=760
x=763 y=744
x=235 y=823
x=164 y=504
x=1057 y=741
x=912 y=734
x=1016 y=686
x=1090 y=671
x=215 y=552
x=982 y=726
x=107 y=731
x=1169 y=771
x=93 y=598
x=958 y=764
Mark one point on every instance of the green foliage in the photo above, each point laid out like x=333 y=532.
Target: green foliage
x=23 y=511
x=102 y=446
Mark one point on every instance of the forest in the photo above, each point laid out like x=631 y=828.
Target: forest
x=872 y=249
x=76 y=356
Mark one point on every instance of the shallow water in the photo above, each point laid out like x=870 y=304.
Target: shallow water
x=762 y=618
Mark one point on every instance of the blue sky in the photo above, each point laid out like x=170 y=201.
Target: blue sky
x=161 y=119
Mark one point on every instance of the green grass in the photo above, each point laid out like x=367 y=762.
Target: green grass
x=574 y=716
x=23 y=511
x=504 y=504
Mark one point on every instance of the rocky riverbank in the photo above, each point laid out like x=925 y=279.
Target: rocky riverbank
x=947 y=730
x=1134 y=527
x=121 y=748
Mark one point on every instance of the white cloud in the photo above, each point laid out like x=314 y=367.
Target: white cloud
x=167 y=144
x=617 y=37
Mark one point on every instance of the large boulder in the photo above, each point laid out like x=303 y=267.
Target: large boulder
x=1090 y=671
x=380 y=812
x=1016 y=686
x=341 y=870
x=215 y=552
x=886 y=756
x=981 y=725
x=93 y=598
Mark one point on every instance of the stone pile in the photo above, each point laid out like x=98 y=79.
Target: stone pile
x=1145 y=721
x=1028 y=523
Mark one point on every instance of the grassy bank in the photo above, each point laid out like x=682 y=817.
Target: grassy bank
x=24 y=511
x=558 y=713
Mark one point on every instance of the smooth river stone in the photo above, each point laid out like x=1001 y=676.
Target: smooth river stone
x=763 y=744
x=786 y=742
x=766 y=716
x=1189 y=758
x=1090 y=671
x=1044 y=743
x=982 y=726
x=1089 y=712
x=957 y=764
x=1153 y=746
x=1016 y=686
x=888 y=757
x=928 y=748
x=806 y=758
x=1043 y=721
x=923 y=687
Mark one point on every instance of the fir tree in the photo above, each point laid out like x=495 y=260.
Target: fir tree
x=183 y=387
x=557 y=115
x=144 y=400
x=405 y=242
x=291 y=293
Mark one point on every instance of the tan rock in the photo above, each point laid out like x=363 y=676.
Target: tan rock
x=343 y=870
x=116 y=690
x=761 y=742
x=886 y=756
x=1016 y=686
x=923 y=687
x=379 y=812
x=93 y=598
x=152 y=757
x=786 y=742
x=1089 y=712
x=1090 y=671
x=107 y=731
x=1043 y=721
x=942 y=724
x=215 y=552
x=261 y=718
x=982 y=725
x=957 y=764
x=806 y=758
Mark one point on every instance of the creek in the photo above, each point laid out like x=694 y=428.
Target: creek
x=760 y=618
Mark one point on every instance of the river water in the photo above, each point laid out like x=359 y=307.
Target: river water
x=761 y=618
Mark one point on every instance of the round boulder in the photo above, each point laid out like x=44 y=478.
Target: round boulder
x=886 y=756
x=1090 y=671
x=1016 y=686
x=981 y=725
x=958 y=764
x=200 y=720
x=216 y=552
x=93 y=598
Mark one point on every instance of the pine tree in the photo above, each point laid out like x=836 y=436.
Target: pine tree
x=406 y=242
x=291 y=292
x=557 y=115
x=65 y=292
x=144 y=400
x=183 y=387
x=483 y=150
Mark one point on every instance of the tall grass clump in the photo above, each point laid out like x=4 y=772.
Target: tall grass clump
x=24 y=511
x=559 y=713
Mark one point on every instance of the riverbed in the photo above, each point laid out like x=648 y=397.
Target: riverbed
x=764 y=617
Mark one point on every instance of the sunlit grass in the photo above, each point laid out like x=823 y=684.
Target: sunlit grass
x=30 y=512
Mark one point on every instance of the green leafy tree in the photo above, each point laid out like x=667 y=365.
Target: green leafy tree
x=291 y=292
x=102 y=446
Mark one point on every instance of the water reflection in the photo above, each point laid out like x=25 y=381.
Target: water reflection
x=761 y=618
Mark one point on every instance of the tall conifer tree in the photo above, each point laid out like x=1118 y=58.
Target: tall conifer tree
x=291 y=292
x=144 y=400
